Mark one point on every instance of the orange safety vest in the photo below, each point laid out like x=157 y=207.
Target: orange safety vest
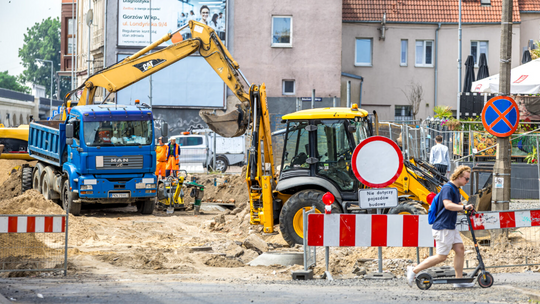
x=161 y=153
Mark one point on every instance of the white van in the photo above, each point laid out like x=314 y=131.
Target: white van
x=197 y=147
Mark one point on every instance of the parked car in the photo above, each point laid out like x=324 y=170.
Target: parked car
x=198 y=145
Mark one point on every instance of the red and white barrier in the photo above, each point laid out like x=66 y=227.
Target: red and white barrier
x=32 y=224
x=367 y=230
x=395 y=230
x=501 y=220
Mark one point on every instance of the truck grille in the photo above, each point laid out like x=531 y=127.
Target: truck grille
x=124 y=162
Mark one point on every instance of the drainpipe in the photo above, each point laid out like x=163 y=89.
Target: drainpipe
x=348 y=94
x=360 y=98
x=349 y=88
x=105 y=46
x=459 y=63
x=436 y=63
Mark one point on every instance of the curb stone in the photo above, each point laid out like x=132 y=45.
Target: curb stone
x=3 y=300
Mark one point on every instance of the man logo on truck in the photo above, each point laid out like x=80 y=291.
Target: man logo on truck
x=119 y=160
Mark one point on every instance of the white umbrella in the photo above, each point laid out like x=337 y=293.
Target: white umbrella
x=525 y=79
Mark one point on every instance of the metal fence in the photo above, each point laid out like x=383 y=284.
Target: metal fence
x=33 y=243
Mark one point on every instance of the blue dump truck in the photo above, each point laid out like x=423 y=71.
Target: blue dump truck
x=101 y=154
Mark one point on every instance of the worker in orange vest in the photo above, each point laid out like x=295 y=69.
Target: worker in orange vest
x=161 y=157
x=173 y=157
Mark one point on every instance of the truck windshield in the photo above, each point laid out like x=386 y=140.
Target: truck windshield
x=118 y=133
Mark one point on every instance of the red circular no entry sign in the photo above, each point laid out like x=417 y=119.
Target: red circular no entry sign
x=377 y=162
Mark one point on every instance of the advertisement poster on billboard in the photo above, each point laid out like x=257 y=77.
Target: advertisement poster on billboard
x=190 y=82
x=167 y=16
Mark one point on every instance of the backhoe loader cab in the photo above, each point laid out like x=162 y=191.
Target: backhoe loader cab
x=317 y=157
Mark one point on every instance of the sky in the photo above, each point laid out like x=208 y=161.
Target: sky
x=16 y=16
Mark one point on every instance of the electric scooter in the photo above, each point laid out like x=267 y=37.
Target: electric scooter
x=485 y=279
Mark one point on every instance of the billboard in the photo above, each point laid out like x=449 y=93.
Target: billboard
x=190 y=82
x=167 y=16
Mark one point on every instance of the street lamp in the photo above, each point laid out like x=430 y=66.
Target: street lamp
x=49 y=61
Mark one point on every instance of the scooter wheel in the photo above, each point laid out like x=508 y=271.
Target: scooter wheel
x=424 y=281
x=485 y=280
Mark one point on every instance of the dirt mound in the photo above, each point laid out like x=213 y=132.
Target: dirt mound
x=221 y=261
x=11 y=187
x=221 y=188
x=30 y=202
x=7 y=165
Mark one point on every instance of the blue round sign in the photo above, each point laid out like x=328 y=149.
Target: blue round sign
x=500 y=116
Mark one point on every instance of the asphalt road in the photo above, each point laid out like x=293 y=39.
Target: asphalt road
x=508 y=288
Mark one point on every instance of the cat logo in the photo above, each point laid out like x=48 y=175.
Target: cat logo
x=220 y=70
x=148 y=65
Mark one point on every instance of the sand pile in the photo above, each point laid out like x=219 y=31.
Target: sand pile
x=11 y=186
x=221 y=188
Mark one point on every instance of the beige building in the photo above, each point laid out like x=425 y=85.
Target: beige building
x=417 y=46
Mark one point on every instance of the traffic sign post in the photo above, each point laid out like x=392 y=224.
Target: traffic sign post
x=500 y=118
x=377 y=162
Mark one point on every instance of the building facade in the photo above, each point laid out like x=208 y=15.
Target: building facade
x=399 y=45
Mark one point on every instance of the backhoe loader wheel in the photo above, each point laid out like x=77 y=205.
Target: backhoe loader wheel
x=408 y=207
x=26 y=183
x=291 y=219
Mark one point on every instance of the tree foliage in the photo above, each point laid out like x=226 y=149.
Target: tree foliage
x=42 y=41
x=11 y=83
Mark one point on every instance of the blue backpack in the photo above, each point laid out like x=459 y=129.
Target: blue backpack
x=433 y=212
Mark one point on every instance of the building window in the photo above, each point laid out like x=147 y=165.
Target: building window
x=424 y=53
x=485 y=2
x=289 y=87
x=477 y=48
x=70 y=37
x=363 y=52
x=281 y=31
x=403 y=113
x=404 y=47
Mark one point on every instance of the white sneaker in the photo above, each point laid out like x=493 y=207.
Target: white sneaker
x=410 y=275
x=464 y=285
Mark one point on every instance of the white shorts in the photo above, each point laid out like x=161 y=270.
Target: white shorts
x=445 y=239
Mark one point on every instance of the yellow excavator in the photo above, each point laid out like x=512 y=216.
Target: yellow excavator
x=318 y=142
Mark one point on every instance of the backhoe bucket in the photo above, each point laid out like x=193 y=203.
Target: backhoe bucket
x=230 y=124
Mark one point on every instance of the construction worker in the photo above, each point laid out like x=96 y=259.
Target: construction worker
x=161 y=157
x=173 y=157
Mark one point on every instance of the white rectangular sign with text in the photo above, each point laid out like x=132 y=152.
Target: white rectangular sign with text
x=378 y=198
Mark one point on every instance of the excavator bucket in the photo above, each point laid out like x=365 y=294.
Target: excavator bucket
x=230 y=124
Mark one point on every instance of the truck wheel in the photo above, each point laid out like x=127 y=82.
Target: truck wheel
x=147 y=206
x=26 y=183
x=408 y=207
x=222 y=163
x=36 y=181
x=291 y=219
x=68 y=198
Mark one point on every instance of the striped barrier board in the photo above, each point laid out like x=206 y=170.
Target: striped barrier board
x=32 y=224
x=395 y=230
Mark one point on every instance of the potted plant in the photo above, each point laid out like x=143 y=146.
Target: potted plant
x=452 y=124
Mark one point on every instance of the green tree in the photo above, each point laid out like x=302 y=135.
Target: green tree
x=42 y=41
x=11 y=83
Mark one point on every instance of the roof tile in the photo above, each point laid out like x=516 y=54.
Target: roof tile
x=445 y=11
x=529 y=5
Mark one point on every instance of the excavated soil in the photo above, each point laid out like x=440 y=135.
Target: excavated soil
x=212 y=245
